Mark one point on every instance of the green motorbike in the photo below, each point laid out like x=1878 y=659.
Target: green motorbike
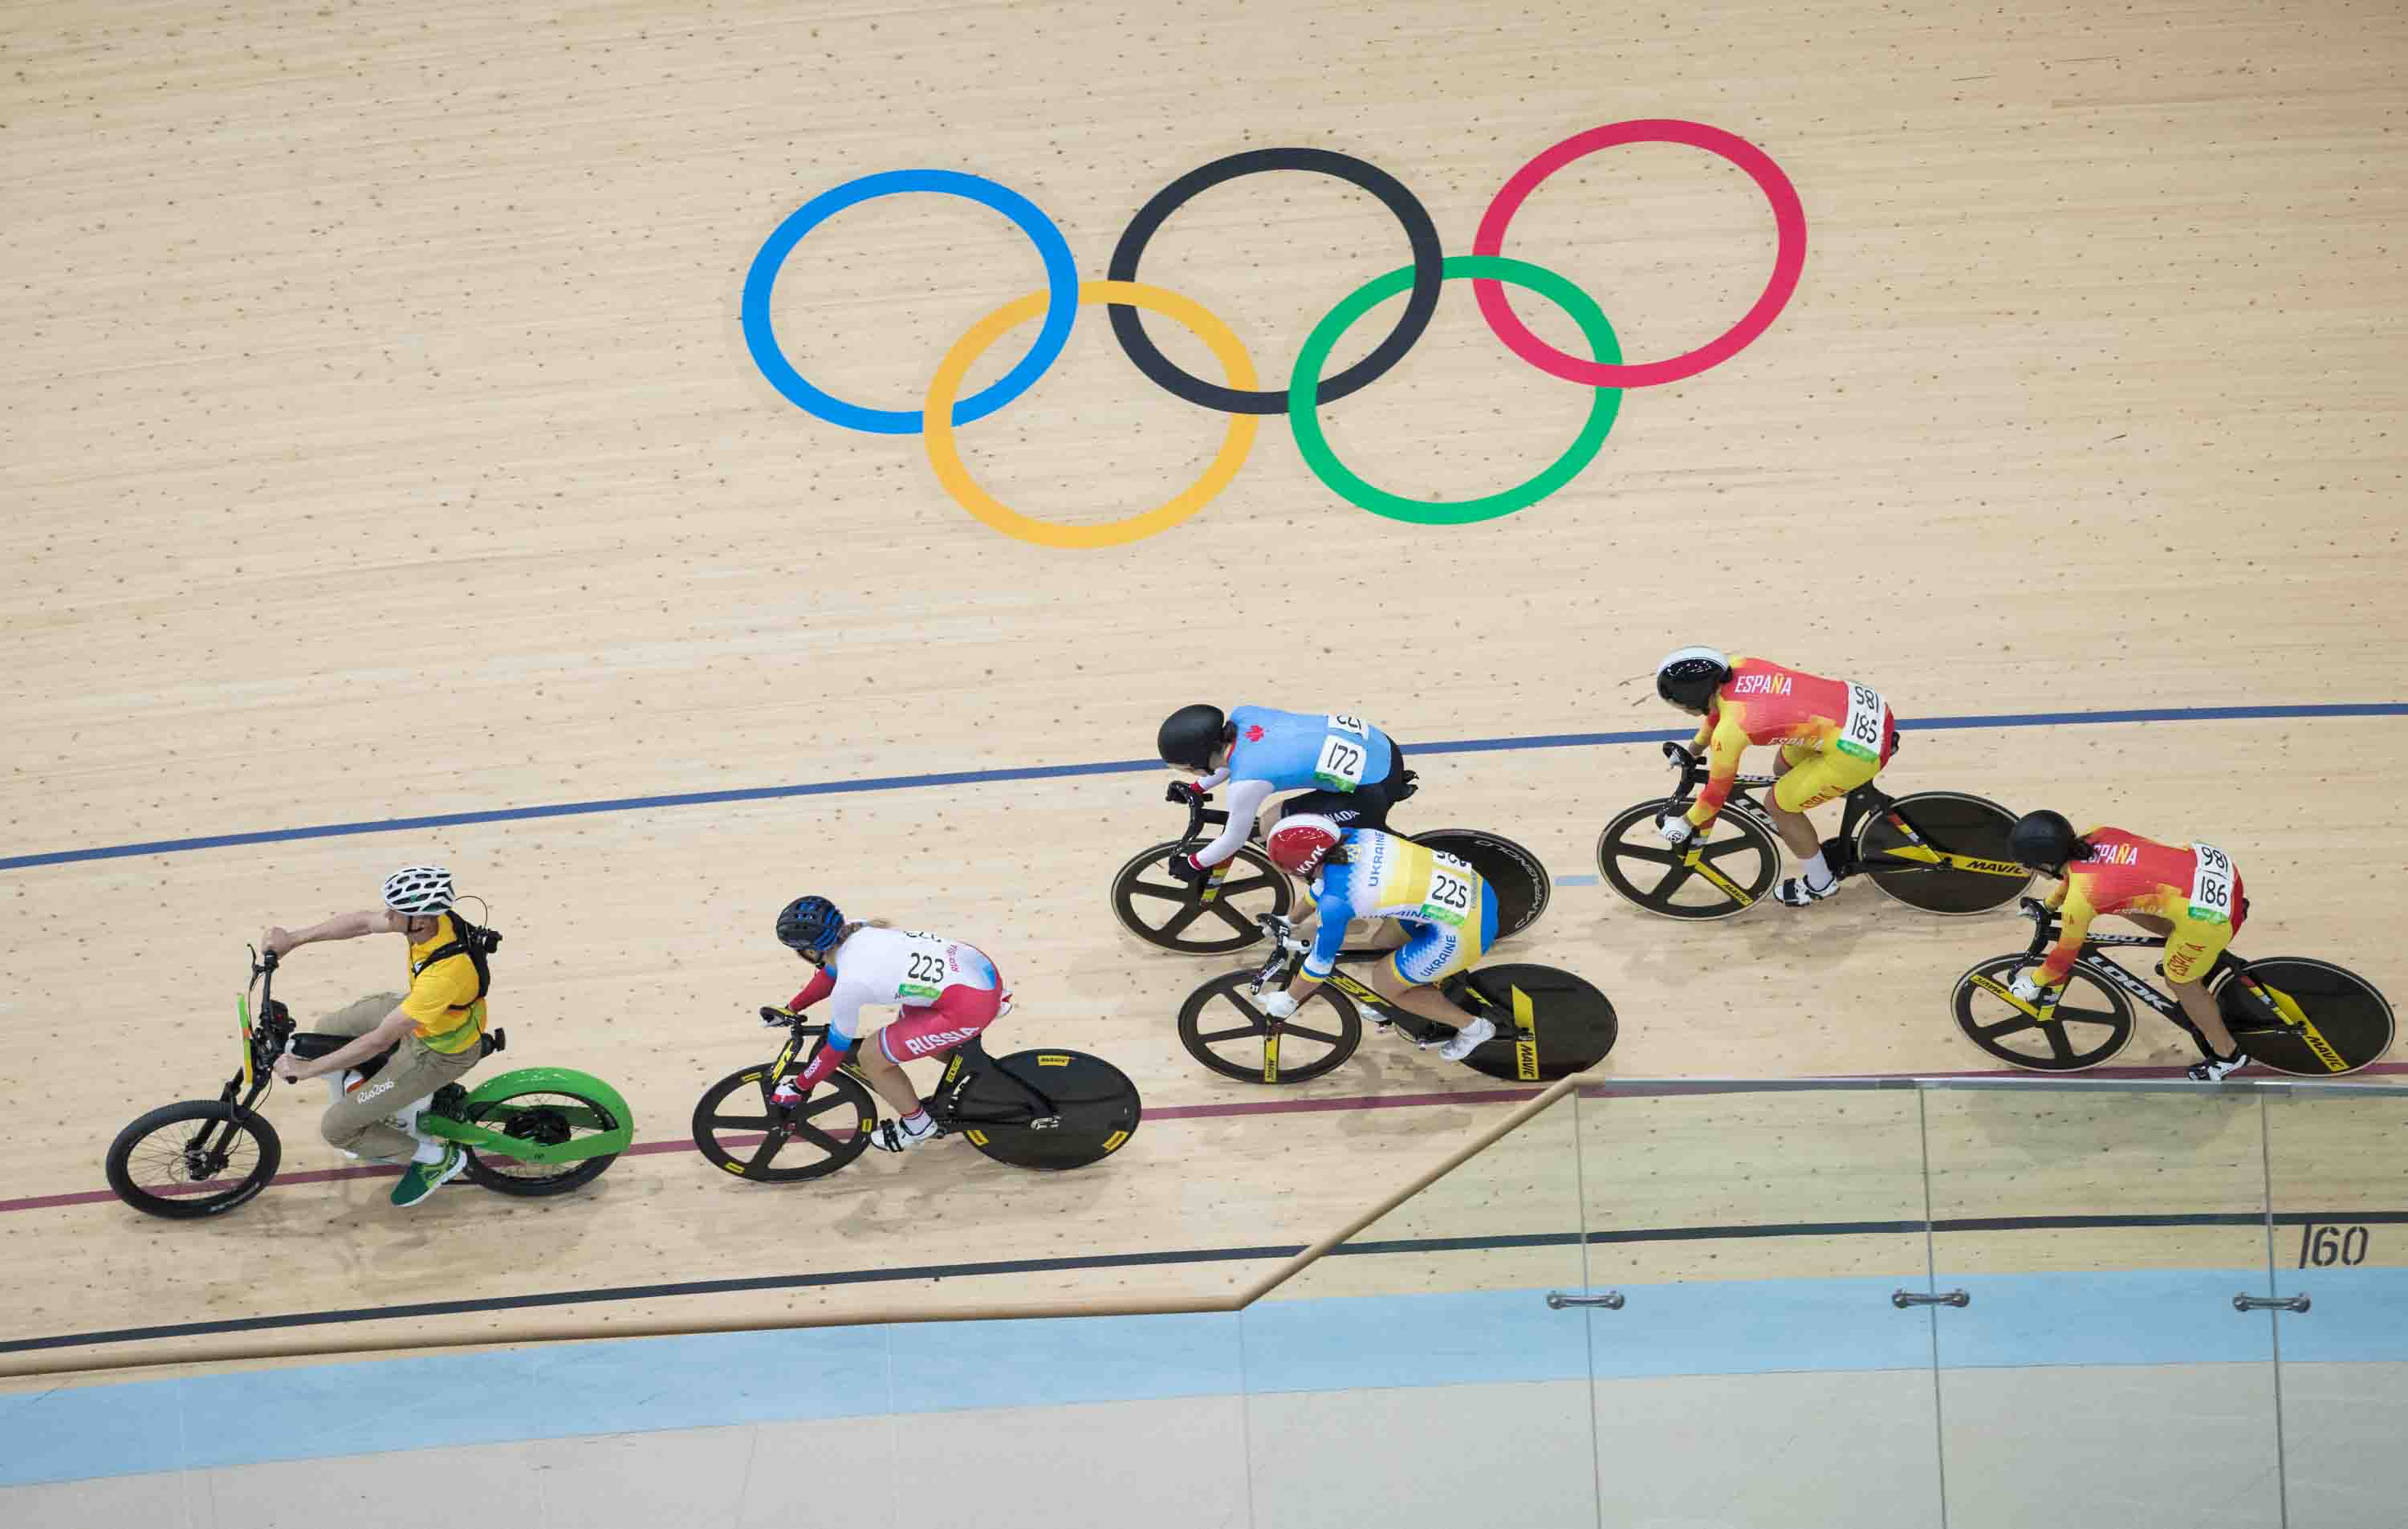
x=534 y=1131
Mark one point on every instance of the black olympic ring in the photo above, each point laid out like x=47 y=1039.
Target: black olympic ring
x=1420 y=235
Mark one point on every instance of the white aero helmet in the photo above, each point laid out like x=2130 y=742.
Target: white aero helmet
x=1688 y=676
x=419 y=888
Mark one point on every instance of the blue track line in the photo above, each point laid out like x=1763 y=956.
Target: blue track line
x=1123 y=766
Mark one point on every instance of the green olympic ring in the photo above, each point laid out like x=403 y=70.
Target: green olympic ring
x=1304 y=416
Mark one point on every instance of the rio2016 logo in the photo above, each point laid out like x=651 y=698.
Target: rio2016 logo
x=941 y=410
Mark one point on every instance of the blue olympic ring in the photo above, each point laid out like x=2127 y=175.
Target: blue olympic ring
x=1061 y=304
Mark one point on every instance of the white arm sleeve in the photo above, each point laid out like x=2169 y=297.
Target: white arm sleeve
x=1213 y=779
x=1245 y=799
x=844 y=1010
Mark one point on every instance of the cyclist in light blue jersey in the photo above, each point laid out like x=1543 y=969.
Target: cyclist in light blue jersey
x=1346 y=769
x=1449 y=918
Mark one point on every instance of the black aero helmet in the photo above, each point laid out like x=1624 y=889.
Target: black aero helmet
x=1688 y=676
x=2043 y=840
x=1190 y=734
x=809 y=923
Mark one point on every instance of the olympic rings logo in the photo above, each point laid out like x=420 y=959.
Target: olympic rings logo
x=941 y=410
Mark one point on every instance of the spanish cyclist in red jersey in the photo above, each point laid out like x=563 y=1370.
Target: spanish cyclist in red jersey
x=1833 y=737
x=2191 y=895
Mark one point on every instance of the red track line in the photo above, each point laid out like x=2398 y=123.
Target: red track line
x=1266 y=1106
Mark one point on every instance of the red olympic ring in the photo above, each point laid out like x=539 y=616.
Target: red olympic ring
x=1788 y=261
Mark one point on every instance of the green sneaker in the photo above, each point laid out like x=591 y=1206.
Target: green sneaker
x=420 y=1179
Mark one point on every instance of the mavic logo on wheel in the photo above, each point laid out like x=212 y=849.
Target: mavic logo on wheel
x=1994 y=867
x=941 y=410
x=2324 y=1054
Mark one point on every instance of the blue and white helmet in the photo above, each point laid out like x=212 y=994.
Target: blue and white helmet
x=417 y=889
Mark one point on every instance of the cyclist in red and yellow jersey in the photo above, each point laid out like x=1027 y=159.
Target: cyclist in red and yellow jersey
x=1833 y=737
x=2190 y=894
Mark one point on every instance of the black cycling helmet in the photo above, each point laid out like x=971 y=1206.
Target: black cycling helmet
x=1190 y=734
x=810 y=924
x=2043 y=840
x=1688 y=677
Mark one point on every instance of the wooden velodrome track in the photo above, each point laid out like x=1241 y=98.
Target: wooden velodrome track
x=381 y=442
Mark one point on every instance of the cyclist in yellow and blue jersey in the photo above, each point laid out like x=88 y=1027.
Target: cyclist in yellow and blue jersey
x=1448 y=915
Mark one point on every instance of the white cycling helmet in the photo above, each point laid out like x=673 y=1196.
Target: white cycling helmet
x=419 y=888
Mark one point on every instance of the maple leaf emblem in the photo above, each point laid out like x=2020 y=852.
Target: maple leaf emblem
x=1254 y=733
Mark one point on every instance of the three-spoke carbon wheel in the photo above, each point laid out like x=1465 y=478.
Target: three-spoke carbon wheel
x=547 y=1117
x=2091 y=1024
x=1212 y=919
x=1221 y=1027
x=2348 y=1015
x=1950 y=822
x=199 y=1158
x=1637 y=863
x=738 y=1127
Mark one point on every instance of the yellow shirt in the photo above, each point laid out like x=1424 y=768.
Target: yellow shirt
x=443 y=998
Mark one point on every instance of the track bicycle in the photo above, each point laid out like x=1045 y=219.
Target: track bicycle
x=1550 y=1023
x=1944 y=852
x=1050 y=1109
x=1247 y=885
x=2290 y=1013
x=534 y=1131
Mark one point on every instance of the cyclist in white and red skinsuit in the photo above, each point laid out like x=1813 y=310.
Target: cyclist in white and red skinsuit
x=946 y=991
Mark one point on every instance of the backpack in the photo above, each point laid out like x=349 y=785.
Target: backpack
x=470 y=941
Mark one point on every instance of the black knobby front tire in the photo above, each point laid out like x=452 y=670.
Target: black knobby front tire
x=734 y=1122
x=535 y=1116
x=1143 y=886
x=1637 y=863
x=1949 y=820
x=2353 y=1018
x=2091 y=1024
x=1095 y=1109
x=1221 y=1028
x=142 y=1170
x=1513 y=875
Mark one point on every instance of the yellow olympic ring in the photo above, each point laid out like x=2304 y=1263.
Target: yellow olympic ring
x=937 y=419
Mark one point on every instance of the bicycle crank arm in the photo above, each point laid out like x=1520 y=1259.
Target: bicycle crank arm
x=1993 y=986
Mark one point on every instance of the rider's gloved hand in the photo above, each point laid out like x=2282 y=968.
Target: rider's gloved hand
x=824 y=1059
x=1277 y=1006
x=2027 y=988
x=776 y=1016
x=1185 y=792
x=1184 y=866
x=1283 y=930
x=1676 y=830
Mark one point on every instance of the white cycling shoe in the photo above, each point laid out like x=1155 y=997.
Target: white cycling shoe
x=1469 y=1039
x=1796 y=891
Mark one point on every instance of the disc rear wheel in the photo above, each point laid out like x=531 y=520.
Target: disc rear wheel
x=1514 y=877
x=1050 y=1109
x=1891 y=847
x=2353 y=1022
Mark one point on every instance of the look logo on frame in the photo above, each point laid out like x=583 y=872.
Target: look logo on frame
x=942 y=410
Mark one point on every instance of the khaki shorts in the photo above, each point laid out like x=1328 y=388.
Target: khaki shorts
x=361 y=1123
